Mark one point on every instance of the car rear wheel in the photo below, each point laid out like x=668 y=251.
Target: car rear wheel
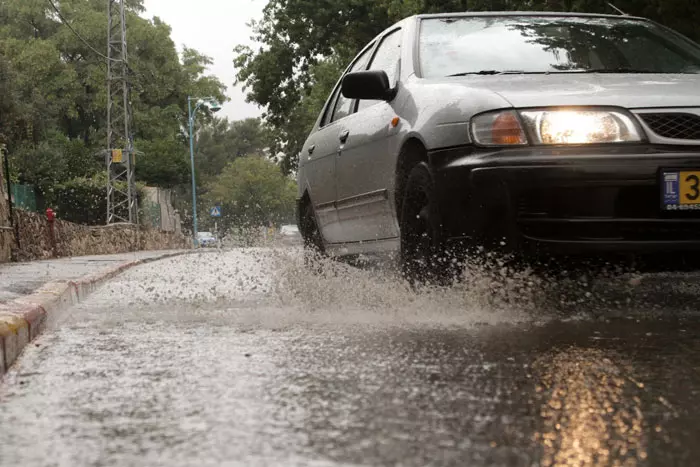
x=313 y=242
x=424 y=256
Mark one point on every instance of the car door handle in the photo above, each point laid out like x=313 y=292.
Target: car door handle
x=343 y=137
x=311 y=149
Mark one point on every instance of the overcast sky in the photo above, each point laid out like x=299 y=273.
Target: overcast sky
x=214 y=28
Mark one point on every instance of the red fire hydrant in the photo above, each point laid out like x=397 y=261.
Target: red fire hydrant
x=51 y=217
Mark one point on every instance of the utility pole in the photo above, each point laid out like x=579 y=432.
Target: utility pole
x=121 y=192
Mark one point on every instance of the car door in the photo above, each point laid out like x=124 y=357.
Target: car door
x=365 y=166
x=320 y=153
x=319 y=159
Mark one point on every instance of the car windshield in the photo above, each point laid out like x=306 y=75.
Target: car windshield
x=538 y=44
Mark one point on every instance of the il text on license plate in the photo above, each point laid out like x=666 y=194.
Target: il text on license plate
x=680 y=190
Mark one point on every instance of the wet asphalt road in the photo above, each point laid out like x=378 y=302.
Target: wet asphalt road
x=244 y=358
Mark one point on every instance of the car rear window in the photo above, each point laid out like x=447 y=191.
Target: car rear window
x=540 y=44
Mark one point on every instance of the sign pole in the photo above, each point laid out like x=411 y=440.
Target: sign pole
x=215 y=213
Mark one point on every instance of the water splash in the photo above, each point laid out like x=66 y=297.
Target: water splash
x=277 y=287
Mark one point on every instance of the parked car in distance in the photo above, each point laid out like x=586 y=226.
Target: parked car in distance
x=206 y=239
x=536 y=133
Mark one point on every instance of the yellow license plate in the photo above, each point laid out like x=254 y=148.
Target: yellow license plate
x=681 y=190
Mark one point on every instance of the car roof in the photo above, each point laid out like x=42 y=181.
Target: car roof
x=467 y=14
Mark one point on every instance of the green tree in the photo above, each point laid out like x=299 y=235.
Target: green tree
x=9 y=101
x=252 y=191
x=306 y=44
x=53 y=102
x=222 y=142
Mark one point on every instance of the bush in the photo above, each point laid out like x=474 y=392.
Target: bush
x=83 y=200
x=252 y=191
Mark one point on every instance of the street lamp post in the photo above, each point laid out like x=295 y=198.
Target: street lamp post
x=213 y=106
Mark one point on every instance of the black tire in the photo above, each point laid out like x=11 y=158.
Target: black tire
x=424 y=257
x=314 y=248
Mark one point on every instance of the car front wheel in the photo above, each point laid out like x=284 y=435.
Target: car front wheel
x=423 y=252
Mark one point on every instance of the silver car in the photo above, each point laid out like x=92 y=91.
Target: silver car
x=530 y=132
x=206 y=239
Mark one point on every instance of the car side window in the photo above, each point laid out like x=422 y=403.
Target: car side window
x=329 y=109
x=387 y=58
x=343 y=105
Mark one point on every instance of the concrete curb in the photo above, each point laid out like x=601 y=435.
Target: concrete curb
x=25 y=318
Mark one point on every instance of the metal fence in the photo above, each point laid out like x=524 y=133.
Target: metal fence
x=24 y=197
x=151 y=214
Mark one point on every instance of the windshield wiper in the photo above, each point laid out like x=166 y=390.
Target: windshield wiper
x=573 y=70
x=615 y=70
x=490 y=72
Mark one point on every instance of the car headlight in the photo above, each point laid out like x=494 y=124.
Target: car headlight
x=568 y=126
x=555 y=126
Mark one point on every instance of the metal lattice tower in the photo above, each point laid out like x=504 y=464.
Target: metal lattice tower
x=121 y=192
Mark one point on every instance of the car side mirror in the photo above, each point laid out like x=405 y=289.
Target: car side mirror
x=369 y=85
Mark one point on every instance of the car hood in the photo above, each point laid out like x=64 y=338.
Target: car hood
x=623 y=90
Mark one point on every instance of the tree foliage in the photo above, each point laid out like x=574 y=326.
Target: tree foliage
x=223 y=141
x=306 y=44
x=53 y=94
x=252 y=192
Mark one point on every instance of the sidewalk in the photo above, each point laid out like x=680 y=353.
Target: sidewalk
x=21 y=279
x=32 y=292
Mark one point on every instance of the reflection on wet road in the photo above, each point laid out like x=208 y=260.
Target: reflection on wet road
x=243 y=358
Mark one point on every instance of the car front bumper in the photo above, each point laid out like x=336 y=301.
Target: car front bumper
x=565 y=200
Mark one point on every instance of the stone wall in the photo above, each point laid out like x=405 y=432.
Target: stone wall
x=7 y=242
x=80 y=240
x=35 y=239
x=151 y=239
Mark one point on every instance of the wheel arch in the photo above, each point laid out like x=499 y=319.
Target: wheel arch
x=302 y=201
x=413 y=151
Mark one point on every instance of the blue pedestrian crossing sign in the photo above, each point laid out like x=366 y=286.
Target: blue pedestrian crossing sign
x=215 y=211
